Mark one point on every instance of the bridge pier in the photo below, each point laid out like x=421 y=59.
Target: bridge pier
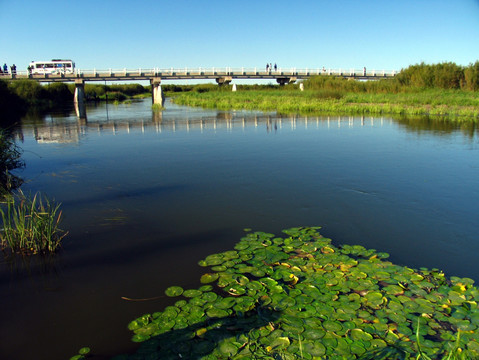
x=79 y=98
x=285 y=80
x=156 y=91
x=224 y=80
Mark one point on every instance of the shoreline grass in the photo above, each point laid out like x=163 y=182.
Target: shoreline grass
x=30 y=225
x=432 y=102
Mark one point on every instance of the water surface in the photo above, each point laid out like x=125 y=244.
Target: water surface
x=147 y=195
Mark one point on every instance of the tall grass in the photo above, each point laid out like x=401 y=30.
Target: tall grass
x=31 y=224
x=424 y=102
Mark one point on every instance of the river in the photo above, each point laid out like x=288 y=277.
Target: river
x=146 y=195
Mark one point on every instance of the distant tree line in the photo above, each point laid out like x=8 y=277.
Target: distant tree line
x=445 y=75
x=17 y=96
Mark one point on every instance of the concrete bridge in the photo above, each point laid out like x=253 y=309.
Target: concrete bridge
x=220 y=75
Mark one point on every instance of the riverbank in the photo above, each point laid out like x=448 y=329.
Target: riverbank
x=457 y=104
x=20 y=96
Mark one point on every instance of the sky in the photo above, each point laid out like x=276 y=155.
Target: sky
x=339 y=34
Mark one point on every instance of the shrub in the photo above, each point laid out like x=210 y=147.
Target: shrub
x=471 y=77
x=29 y=91
x=59 y=93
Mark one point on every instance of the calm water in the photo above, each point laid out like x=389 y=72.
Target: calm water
x=145 y=196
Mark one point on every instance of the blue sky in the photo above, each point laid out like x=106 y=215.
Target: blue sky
x=344 y=34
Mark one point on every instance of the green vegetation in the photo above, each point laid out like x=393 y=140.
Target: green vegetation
x=426 y=102
x=157 y=107
x=30 y=225
x=82 y=354
x=300 y=297
x=444 y=89
x=97 y=92
x=16 y=97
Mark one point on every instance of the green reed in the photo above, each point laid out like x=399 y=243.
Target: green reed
x=418 y=102
x=31 y=224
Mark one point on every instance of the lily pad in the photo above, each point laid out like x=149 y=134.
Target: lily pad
x=192 y=293
x=217 y=313
x=209 y=278
x=173 y=291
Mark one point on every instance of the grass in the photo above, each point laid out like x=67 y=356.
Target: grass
x=454 y=103
x=157 y=107
x=30 y=224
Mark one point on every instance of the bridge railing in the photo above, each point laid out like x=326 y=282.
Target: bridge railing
x=208 y=72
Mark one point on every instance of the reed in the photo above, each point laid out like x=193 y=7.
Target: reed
x=452 y=103
x=31 y=224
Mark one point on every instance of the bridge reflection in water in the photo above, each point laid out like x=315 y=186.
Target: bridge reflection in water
x=71 y=130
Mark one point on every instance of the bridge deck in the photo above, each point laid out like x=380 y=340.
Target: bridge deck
x=199 y=73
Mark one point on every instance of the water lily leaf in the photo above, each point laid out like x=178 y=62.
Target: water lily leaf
x=209 y=278
x=192 y=293
x=397 y=318
x=84 y=351
x=139 y=338
x=133 y=325
x=394 y=290
x=225 y=303
x=280 y=343
x=330 y=340
x=258 y=273
x=456 y=298
x=374 y=299
x=228 y=348
x=357 y=348
x=314 y=348
x=333 y=326
x=360 y=335
x=219 y=268
x=314 y=334
x=173 y=291
x=217 y=313
x=214 y=259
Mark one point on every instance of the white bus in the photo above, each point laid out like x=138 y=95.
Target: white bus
x=54 y=67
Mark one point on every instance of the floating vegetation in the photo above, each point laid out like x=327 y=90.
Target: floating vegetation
x=300 y=297
x=30 y=225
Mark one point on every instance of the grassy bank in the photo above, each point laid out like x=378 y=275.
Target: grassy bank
x=444 y=89
x=456 y=103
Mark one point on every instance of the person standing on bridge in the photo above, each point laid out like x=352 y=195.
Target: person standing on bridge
x=267 y=67
x=5 y=68
x=275 y=67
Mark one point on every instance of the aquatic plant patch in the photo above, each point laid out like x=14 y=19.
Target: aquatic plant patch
x=300 y=297
x=30 y=225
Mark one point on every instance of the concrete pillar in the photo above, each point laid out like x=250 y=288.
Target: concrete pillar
x=79 y=98
x=156 y=91
x=225 y=80
x=79 y=91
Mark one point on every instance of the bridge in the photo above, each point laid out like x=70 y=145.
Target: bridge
x=220 y=75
